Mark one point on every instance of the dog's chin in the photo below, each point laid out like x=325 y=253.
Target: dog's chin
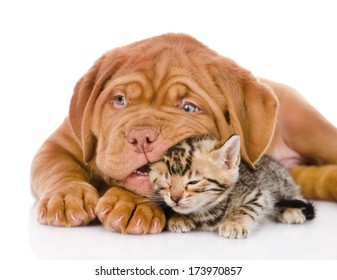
x=139 y=182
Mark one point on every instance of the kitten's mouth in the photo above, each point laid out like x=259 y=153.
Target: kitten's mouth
x=142 y=171
x=182 y=209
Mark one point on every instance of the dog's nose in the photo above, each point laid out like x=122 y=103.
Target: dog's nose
x=142 y=138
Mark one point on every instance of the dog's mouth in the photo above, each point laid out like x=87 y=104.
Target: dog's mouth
x=139 y=181
x=142 y=171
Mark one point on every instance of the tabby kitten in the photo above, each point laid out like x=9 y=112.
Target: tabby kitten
x=208 y=188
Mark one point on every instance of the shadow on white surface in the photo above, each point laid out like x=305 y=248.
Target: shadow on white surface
x=312 y=240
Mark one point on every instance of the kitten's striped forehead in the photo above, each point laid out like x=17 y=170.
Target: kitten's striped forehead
x=178 y=159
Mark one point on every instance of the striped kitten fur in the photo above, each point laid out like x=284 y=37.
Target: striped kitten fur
x=208 y=188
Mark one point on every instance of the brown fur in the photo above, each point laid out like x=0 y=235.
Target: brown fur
x=94 y=149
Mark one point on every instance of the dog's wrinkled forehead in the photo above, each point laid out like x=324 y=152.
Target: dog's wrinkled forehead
x=173 y=88
x=159 y=62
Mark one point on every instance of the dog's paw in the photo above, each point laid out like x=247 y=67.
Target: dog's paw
x=291 y=216
x=71 y=205
x=180 y=224
x=123 y=211
x=231 y=229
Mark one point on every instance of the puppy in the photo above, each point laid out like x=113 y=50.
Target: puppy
x=139 y=100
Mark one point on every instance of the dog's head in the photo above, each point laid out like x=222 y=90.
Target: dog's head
x=139 y=100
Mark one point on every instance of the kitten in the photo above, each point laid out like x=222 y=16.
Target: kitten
x=208 y=188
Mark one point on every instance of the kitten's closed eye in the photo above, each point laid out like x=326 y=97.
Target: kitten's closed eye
x=193 y=182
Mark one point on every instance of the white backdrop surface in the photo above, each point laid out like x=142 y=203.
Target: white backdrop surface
x=47 y=45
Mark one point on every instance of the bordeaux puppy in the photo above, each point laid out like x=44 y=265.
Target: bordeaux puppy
x=139 y=100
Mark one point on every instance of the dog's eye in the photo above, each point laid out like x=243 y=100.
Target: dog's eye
x=190 y=108
x=119 y=101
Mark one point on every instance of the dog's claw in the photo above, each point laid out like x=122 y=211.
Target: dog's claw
x=126 y=212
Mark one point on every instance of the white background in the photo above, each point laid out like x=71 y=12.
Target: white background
x=45 y=47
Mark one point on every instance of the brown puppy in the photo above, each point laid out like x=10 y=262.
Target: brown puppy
x=139 y=100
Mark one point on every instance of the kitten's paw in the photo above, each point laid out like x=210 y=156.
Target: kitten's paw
x=180 y=224
x=291 y=216
x=232 y=229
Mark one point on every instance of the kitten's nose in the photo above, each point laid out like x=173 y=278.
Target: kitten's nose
x=176 y=194
x=175 y=199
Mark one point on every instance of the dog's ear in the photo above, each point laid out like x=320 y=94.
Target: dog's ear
x=82 y=104
x=78 y=103
x=251 y=108
x=82 y=92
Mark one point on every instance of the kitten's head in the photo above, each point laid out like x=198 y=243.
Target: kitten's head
x=194 y=174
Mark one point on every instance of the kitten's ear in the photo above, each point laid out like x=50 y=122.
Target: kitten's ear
x=229 y=154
